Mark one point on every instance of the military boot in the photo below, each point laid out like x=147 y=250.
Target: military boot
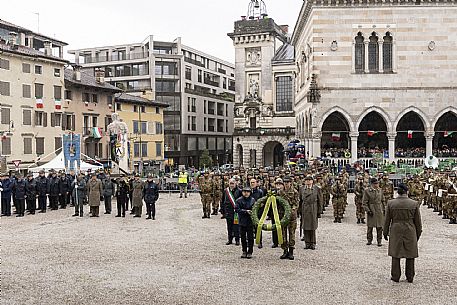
x=285 y=254
x=339 y=220
x=363 y=220
x=291 y=254
x=358 y=220
x=336 y=220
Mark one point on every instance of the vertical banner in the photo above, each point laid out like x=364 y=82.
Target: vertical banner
x=71 y=145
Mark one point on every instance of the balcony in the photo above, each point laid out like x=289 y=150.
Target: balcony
x=194 y=62
x=114 y=57
x=93 y=132
x=287 y=131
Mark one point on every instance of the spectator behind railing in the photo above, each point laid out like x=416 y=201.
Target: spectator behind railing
x=418 y=152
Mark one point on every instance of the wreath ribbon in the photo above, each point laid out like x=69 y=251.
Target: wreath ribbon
x=271 y=201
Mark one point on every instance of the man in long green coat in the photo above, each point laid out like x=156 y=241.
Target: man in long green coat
x=374 y=206
x=311 y=203
x=403 y=224
x=94 y=192
x=137 y=195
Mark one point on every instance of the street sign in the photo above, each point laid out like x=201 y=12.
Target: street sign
x=17 y=163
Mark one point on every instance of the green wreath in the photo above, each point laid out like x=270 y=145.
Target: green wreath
x=261 y=203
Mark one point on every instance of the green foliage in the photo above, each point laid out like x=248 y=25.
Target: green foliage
x=205 y=160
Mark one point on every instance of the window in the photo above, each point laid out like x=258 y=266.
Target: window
x=142 y=109
x=4 y=64
x=57 y=92
x=41 y=118
x=165 y=86
x=373 y=54
x=56 y=72
x=27 y=146
x=68 y=95
x=204 y=124
x=56 y=119
x=359 y=56
x=224 y=83
x=109 y=99
x=38 y=90
x=284 y=92
x=136 y=150
x=6 y=116
x=158 y=149
x=39 y=142
x=194 y=124
x=188 y=122
x=140 y=127
x=68 y=122
x=199 y=76
x=159 y=128
x=94 y=98
x=226 y=125
x=157 y=110
x=387 y=53
x=193 y=105
x=26 y=91
x=6 y=146
x=226 y=109
x=253 y=123
x=57 y=143
x=144 y=149
x=25 y=68
x=188 y=73
x=38 y=69
x=118 y=107
x=4 y=88
x=86 y=97
x=204 y=107
x=135 y=108
x=26 y=117
x=188 y=104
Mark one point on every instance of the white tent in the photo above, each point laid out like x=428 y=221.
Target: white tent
x=58 y=164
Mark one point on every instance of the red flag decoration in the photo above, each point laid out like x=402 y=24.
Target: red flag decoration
x=336 y=136
x=448 y=133
x=410 y=134
x=371 y=133
x=39 y=103
x=58 y=104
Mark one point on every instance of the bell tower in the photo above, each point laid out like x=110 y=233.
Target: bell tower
x=256 y=39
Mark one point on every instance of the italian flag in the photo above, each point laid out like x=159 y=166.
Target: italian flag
x=58 y=104
x=410 y=134
x=448 y=133
x=336 y=136
x=39 y=103
x=371 y=133
x=97 y=132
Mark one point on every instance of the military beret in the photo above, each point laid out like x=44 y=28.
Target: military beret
x=402 y=186
x=374 y=181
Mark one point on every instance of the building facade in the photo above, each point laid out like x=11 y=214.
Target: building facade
x=376 y=77
x=198 y=88
x=31 y=90
x=264 y=99
x=144 y=119
x=87 y=110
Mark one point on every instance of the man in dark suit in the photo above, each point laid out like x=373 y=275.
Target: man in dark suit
x=403 y=224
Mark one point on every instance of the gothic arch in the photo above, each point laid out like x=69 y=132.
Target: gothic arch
x=416 y=110
x=441 y=113
x=380 y=111
x=333 y=110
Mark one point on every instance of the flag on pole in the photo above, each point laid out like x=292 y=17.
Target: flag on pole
x=39 y=103
x=336 y=136
x=371 y=133
x=448 y=133
x=96 y=132
x=58 y=104
x=410 y=134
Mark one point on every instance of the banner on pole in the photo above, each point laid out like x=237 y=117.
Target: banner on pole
x=71 y=145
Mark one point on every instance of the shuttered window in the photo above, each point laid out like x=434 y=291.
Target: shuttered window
x=57 y=92
x=25 y=68
x=27 y=146
x=6 y=146
x=6 y=115
x=57 y=143
x=4 y=88
x=39 y=146
x=26 y=91
x=4 y=64
x=27 y=117
x=38 y=90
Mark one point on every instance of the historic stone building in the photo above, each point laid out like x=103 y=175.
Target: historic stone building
x=264 y=72
x=376 y=76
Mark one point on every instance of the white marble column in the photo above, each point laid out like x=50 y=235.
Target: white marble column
x=354 y=140
x=429 y=143
x=394 y=55
x=317 y=145
x=353 y=57
x=380 y=62
x=366 y=56
x=391 y=137
x=259 y=157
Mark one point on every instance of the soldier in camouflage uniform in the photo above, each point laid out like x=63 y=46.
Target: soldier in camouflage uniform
x=218 y=188
x=288 y=233
x=358 y=190
x=440 y=190
x=387 y=188
x=452 y=200
x=339 y=193
x=416 y=189
x=207 y=187
x=324 y=189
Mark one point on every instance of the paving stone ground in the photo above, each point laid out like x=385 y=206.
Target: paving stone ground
x=179 y=258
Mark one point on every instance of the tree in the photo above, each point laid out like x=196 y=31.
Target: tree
x=205 y=159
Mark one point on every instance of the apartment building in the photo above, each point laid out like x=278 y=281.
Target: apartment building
x=198 y=88
x=31 y=89
x=144 y=118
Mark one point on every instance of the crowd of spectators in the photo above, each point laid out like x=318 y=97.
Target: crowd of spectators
x=418 y=152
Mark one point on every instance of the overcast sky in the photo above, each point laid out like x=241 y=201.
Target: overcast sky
x=202 y=24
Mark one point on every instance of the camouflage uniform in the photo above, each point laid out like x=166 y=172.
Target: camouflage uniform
x=359 y=189
x=339 y=193
x=416 y=190
x=218 y=187
x=207 y=187
x=387 y=188
x=440 y=190
x=452 y=201
x=288 y=233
